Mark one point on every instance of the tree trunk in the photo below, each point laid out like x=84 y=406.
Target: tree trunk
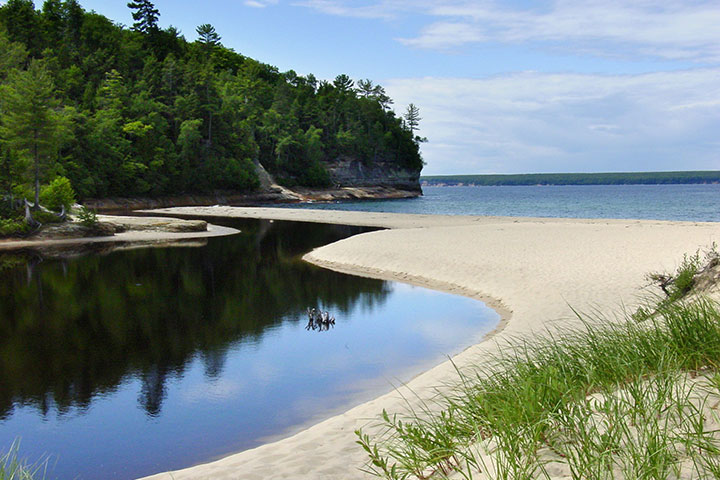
x=210 y=117
x=28 y=216
x=37 y=173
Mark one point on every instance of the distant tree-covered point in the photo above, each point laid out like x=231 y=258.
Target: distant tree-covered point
x=621 y=178
x=140 y=111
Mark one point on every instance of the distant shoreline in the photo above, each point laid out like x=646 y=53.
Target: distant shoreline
x=538 y=179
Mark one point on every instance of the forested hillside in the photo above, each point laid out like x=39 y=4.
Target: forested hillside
x=141 y=111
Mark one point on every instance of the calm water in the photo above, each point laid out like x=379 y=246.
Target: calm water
x=133 y=362
x=658 y=202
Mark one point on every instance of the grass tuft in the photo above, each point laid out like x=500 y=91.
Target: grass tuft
x=13 y=468
x=609 y=400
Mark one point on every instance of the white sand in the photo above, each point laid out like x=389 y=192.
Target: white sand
x=532 y=270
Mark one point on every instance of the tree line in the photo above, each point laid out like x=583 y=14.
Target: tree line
x=141 y=111
x=614 y=178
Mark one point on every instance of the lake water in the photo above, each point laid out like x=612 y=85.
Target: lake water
x=657 y=202
x=126 y=363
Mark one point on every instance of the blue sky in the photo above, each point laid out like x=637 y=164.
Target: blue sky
x=503 y=86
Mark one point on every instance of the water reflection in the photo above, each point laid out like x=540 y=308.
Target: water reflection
x=319 y=320
x=125 y=363
x=71 y=329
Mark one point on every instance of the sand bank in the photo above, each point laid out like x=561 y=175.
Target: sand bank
x=139 y=231
x=534 y=271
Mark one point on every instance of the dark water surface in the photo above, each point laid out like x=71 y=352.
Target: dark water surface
x=653 y=202
x=134 y=362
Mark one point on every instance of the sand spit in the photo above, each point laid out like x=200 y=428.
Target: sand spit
x=138 y=231
x=534 y=271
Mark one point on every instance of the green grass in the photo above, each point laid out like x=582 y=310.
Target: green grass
x=631 y=400
x=13 y=468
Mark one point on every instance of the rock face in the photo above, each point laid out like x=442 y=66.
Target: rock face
x=352 y=179
x=351 y=172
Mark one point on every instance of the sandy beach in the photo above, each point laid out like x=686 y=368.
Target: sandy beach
x=533 y=271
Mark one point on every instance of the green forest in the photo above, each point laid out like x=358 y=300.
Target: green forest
x=619 y=178
x=141 y=111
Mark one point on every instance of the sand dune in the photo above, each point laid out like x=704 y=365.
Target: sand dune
x=533 y=271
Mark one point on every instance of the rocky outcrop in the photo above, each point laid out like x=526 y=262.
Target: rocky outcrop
x=153 y=224
x=352 y=179
x=110 y=225
x=351 y=172
x=73 y=230
x=353 y=193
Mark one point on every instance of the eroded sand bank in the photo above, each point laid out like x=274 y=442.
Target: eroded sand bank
x=534 y=271
x=139 y=231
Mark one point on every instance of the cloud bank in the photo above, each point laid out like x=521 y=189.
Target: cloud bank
x=539 y=122
x=670 y=29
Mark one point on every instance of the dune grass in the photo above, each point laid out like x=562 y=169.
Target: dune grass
x=636 y=400
x=14 y=468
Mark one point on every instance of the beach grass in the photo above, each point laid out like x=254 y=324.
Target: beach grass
x=12 y=467
x=634 y=399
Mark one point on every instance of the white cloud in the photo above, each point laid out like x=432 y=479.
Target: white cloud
x=669 y=29
x=447 y=34
x=260 y=3
x=379 y=10
x=539 y=122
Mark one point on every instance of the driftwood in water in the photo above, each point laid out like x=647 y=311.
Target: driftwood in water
x=319 y=320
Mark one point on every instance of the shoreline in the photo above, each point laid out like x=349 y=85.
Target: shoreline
x=531 y=271
x=139 y=231
x=274 y=195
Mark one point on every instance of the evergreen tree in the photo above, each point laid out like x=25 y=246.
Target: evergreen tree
x=31 y=126
x=145 y=15
x=365 y=88
x=21 y=21
x=412 y=117
x=209 y=41
x=343 y=83
x=12 y=55
x=209 y=38
x=157 y=115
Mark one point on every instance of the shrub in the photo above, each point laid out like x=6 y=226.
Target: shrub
x=316 y=176
x=7 y=211
x=57 y=194
x=46 y=217
x=87 y=217
x=13 y=226
x=680 y=283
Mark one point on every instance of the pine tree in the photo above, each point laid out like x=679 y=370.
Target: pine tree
x=30 y=123
x=209 y=38
x=412 y=117
x=365 y=88
x=343 y=83
x=145 y=15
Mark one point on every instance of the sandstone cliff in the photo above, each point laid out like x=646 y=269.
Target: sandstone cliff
x=351 y=180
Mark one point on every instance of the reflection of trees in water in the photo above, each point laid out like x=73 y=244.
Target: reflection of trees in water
x=70 y=330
